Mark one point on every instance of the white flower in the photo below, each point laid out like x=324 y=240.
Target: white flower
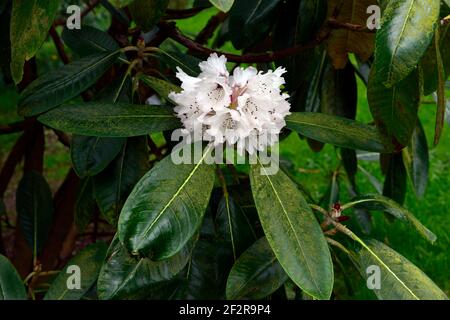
x=246 y=108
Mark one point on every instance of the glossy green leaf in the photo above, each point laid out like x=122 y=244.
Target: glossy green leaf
x=234 y=226
x=56 y=87
x=123 y=275
x=11 y=286
x=113 y=185
x=395 y=182
x=407 y=28
x=110 y=120
x=91 y=155
x=250 y=21
x=222 y=5
x=30 y=22
x=89 y=40
x=337 y=131
x=400 y=279
x=161 y=87
x=293 y=232
x=395 y=109
x=166 y=208
x=256 y=274
x=88 y=261
x=34 y=205
x=379 y=202
x=85 y=204
x=416 y=160
x=146 y=13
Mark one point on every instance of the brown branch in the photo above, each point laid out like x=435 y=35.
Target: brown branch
x=59 y=45
x=335 y=24
x=91 y=6
x=210 y=28
x=12 y=128
x=172 y=14
x=63 y=138
x=176 y=35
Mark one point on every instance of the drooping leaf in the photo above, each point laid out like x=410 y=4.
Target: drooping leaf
x=11 y=286
x=88 y=261
x=416 y=160
x=250 y=21
x=146 y=13
x=161 y=87
x=56 y=87
x=395 y=109
x=407 y=28
x=395 y=182
x=441 y=101
x=175 y=58
x=165 y=208
x=379 y=202
x=343 y=41
x=34 y=205
x=234 y=226
x=30 y=22
x=293 y=232
x=89 y=40
x=123 y=275
x=338 y=131
x=113 y=185
x=91 y=155
x=400 y=279
x=256 y=274
x=222 y=5
x=110 y=120
x=85 y=204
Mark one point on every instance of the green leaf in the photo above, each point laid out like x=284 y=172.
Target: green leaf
x=337 y=131
x=161 y=87
x=110 y=120
x=400 y=279
x=166 y=208
x=89 y=261
x=113 y=185
x=146 y=13
x=379 y=202
x=123 y=275
x=11 y=286
x=293 y=232
x=234 y=226
x=250 y=21
x=34 y=205
x=56 y=87
x=91 y=155
x=395 y=109
x=416 y=160
x=121 y=3
x=395 y=182
x=30 y=22
x=441 y=101
x=256 y=274
x=222 y=5
x=85 y=204
x=407 y=28
x=89 y=40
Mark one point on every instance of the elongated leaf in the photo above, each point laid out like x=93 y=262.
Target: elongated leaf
x=123 y=275
x=343 y=41
x=89 y=261
x=113 y=185
x=440 y=114
x=146 y=13
x=91 y=155
x=56 y=87
x=121 y=3
x=34 y=205
x=395 y=109
x=379 y=202
x=293 y=232
x=337 y=131
x=407 y=28
x=250 y=21
x=222 y=5
x=85 y=204
x=256 y=274
x=234 y=226
x=416 y=160
x=166 y=208
x=395 y=182
x=30 y=22
x=89 y=40
x=161 y=87
x=110 y=120
x=400 y=279
x=11 y=286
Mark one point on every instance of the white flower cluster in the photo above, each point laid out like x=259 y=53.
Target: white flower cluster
x=246 y=108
